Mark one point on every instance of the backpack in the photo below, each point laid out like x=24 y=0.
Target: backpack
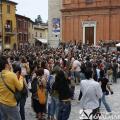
x=41 y=95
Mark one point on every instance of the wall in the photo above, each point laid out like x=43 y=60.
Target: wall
x=53 y=12
x=0 y=28
x=76 y=11
x=31 y=33
x=41 y=30
x=11 y=17
x=22 y=30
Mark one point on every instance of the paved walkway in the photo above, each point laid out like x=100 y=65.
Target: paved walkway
x=113 y=100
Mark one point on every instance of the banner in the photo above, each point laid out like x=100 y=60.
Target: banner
x=56 y=26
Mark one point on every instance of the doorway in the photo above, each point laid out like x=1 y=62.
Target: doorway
x=89 y=35
x=89 y=32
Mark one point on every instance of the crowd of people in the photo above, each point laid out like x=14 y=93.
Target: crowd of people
x=51 y=75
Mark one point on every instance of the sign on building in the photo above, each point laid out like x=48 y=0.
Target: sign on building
x=56 y=26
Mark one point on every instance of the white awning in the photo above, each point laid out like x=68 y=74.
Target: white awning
x=118 y=45
x=44 y=41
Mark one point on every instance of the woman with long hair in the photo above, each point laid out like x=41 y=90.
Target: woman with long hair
x=61 y=85
x=38 y=87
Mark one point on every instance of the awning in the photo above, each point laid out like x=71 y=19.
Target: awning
x=118 y=45
x=44 y=41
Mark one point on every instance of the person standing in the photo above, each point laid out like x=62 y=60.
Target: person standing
x=105 y=89
x=76 y=68
x=39 y=82
x=90 y=93
x=8 y=103
x=61 y=86
x=115 y=70
x=17 y=70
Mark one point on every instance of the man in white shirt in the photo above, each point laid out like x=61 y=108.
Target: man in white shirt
x=76 y=68
x=90 y=93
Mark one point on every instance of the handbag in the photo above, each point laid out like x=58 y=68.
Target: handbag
x=17 y=94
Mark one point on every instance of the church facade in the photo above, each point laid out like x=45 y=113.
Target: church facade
x=89 y=21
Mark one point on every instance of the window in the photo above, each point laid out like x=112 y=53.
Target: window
x=32 y=36
x=24 y=37
x=25 y=25
x=89 y=1
x=29 y=24
x=66 y=1
x=41 y=35
x=8 y=26
x=7 y=39
x=18 y=24
x=36 y=34
x=29 y=35
x=0 y=9
x=8 y=9
x=20 y=37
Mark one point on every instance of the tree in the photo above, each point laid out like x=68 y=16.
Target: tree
x=38 y=20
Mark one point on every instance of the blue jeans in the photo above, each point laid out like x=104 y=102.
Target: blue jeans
x=0 y=116
x=49 y=106
x=22 y=108
x=54 y=107
x=9 y=113
x=103 y=99
x=64 y=110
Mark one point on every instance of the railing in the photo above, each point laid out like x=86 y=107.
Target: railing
x=10 y=31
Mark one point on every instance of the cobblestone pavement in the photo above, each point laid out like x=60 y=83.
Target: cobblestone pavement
x=113 y=101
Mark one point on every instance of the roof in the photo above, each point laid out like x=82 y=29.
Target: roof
x=9 y=1
x=21 y=16
x=24 y=17
x=39 y=27
x=44 y=41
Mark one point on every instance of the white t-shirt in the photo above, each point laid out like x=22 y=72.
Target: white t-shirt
x=76 y=65
x=46 y=73
x=91 y=93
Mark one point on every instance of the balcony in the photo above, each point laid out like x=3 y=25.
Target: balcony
x=8 y=30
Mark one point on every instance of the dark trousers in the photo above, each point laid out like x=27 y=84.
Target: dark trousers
x=72 y=90
x=64 y=110
x=0 y=117
x=115 y=78
x=22 y=108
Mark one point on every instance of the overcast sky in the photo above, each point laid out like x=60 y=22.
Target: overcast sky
x=32 y=8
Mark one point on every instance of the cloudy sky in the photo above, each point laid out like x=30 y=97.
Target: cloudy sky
x=32 y=8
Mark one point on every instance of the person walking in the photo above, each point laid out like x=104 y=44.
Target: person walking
x=115 y=70
x=39 y=83
x=105 y=89
x=8 y=104
x=90 y=93
x=17 y=70
x=62 y=87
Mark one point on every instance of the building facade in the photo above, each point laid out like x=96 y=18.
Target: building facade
x=54 y=21
x=8 y=23
x=41 y=32
x=22 y=30
x=0 y=25
x=89 y=21
x=31 y=33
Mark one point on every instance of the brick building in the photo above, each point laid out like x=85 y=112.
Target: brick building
x=22 y=30
x=88 y=21
x=8 y=25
